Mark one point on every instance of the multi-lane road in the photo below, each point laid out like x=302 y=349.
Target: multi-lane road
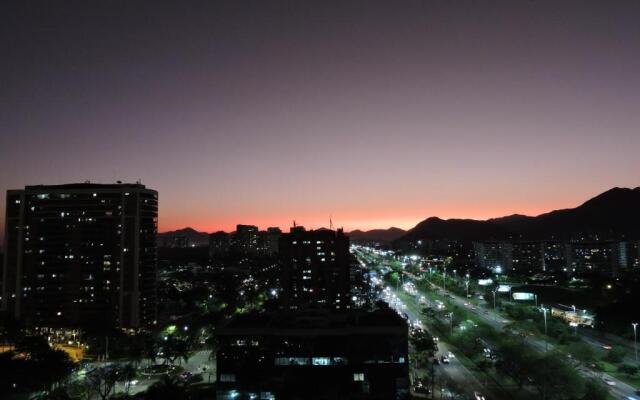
x=455 y=370
x=619 y=389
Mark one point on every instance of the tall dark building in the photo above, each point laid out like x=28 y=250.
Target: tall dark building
x=271 y=240
x=245 y=239
x=81 y=254
x=315 y=268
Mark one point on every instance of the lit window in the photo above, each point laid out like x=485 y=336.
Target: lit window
x=358 y=377
x=320 y=361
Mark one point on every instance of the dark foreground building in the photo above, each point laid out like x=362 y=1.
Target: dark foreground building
x=314 y=354
x=78 y=255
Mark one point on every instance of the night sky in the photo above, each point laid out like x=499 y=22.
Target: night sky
x=376 y=113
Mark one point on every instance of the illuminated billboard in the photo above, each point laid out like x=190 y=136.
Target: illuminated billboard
x=485 y=282
x=504 y=288
x=522 y=296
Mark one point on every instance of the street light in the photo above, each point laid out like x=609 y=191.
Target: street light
x=494 y=305
x=451 y=322
x=575 y=328
x=635 y=339
x=544 y=311
x=444 y=279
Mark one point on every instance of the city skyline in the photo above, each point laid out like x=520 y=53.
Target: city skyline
x=265 y=114
x=357 y=199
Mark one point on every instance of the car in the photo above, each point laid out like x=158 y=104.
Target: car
x=436 y=361
x=608 y=381
x=606 y=346
x=445 y=360
x=133 y=382
x=478 y=396
x=421 y=389
x=451 y=355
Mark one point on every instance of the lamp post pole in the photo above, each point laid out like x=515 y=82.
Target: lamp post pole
x=444 y=279
x=635 y=338
x=494 y=305
x=546 y=343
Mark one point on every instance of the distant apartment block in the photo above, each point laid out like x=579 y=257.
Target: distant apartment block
x=247 y=240
x=494 y=255
x=607 y=257
x=315 y=268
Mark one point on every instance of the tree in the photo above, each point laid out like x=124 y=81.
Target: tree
x=555 y=379
x=126 y=375
x=40 y=367
x=102 y=381
x=615 y=355
x=517 y=362
x=628 y=369
x=423 y=342
x=175 y=347
x=582 y=352
x=595 y=391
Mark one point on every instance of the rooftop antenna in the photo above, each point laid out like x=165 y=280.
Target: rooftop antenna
x=330 y=223
x=294 y=223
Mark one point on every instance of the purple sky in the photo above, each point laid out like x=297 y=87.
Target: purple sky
x=377 y=113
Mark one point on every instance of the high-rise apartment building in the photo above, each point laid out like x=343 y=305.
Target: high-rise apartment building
x=245 y=239
x=315 y=268
x=527 y=257
x=271 y=239
x=81 y=254
x=496 y=256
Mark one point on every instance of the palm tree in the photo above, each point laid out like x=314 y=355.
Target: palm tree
x=127 y=373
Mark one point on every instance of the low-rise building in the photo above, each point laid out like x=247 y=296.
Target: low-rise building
x=314 y=354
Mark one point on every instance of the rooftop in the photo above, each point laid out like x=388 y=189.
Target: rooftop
x=317 y=320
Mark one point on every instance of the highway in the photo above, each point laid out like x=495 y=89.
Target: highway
x=620 y=390
x=455 y=370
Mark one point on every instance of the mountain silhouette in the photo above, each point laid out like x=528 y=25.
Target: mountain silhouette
x=376 y=235
x=614 y=214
